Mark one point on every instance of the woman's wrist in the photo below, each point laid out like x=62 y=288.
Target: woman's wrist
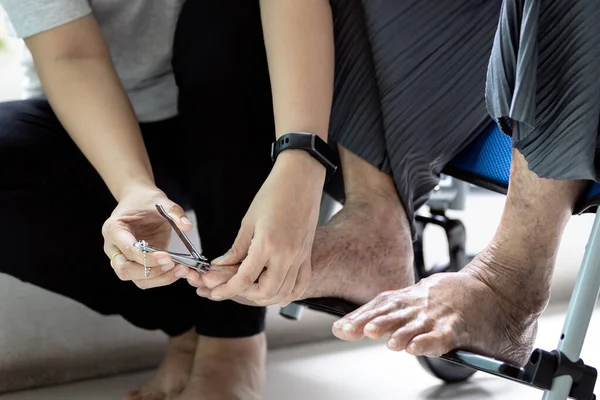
x=302 y=164
x=138 y=187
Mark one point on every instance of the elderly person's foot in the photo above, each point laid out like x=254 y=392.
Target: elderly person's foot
x=365 y=249
x=492 y=305
x=491 y=308
x=173 y=374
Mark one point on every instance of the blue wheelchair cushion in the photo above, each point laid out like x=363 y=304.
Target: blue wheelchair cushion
x=486 y=163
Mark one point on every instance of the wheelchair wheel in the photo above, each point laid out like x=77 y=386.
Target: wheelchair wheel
x=445 y=370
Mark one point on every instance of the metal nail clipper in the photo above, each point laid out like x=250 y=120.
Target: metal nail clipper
x=194 y=260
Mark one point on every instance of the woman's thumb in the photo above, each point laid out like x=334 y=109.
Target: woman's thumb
x=238 y=251
x=178 y=214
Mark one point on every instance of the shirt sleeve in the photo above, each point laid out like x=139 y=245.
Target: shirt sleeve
x=29 y=17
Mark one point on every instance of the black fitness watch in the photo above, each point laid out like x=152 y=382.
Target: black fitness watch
x=311 y=143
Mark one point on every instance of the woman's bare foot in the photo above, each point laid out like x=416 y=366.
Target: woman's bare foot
x=227 y=369
x=491 y=308
x=172 y=376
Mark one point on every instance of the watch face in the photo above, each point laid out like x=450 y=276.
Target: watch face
x=326 y=152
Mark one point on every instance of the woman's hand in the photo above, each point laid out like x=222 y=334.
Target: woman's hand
x=205 y=282
x=136 y=218
x=275 y=240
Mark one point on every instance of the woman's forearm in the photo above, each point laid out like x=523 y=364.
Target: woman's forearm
x=87 y=97
x=82 y=86
x=300 y=50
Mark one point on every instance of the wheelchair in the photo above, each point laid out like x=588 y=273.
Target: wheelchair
x=560 y=373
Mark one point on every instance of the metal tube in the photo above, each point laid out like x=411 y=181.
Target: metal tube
x=581 y=307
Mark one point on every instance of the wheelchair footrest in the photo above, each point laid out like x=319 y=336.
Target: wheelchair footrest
x=540 y=371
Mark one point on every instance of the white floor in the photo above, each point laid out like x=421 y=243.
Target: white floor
x=349 y=371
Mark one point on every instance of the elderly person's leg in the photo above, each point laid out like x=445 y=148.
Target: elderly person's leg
x=369 y=240
x=548 y=101
x=398 y=127
x=492 y=305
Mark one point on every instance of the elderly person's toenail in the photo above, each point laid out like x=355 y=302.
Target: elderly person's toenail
x=348 y=327
x=371 y=327
x=339 y=323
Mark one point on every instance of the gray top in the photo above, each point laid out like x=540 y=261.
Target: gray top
x=139 y=34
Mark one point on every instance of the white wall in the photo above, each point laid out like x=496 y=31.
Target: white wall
x=11 y=73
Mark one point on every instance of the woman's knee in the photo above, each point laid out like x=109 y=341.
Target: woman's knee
x=28 y=130
x=32 y=141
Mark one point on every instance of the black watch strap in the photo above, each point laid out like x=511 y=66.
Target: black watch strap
x=310 y=143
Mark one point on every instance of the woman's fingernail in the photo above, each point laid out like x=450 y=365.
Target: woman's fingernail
x=371 y=327
x=164 y=261
x=181 y=273
x=219 y=259
x=392 y=343
x=166 y=268
x=186 y=221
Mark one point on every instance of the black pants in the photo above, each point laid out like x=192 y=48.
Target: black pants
x=213 y=157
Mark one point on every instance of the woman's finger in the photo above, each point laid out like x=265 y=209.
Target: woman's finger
x=264 y=290
x=112 y=251
x=274 y=278
x=213 y=279
x=195 y=279
x=128 y=270
x=203 y=292
x=117 y=235
x=301 y=285
x=249 y=271
x=240 y=248
x=123 y=240
x=163 y=280
x=178 y=214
